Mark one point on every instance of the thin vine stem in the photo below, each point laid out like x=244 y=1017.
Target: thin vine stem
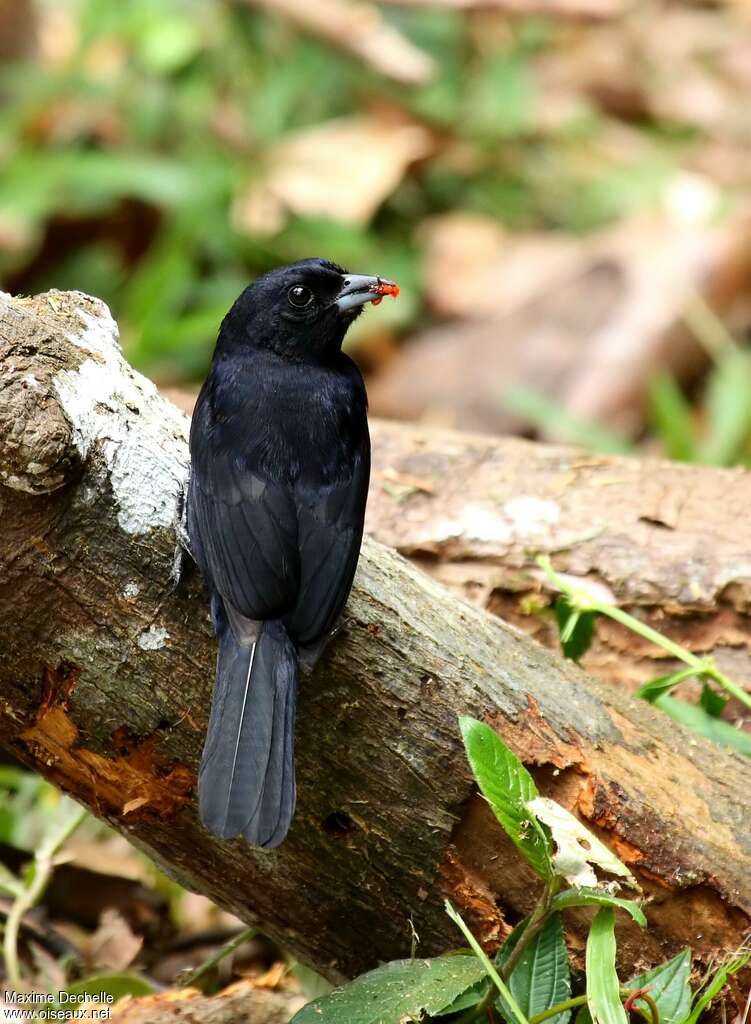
x=584 y=601
x=498 y=986
x=574 y=1001
x=534 y=923
x=44 y=865
x=567 y=1004
x=226 y=950
x=653 y=1008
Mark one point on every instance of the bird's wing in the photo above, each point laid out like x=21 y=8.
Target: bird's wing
x=330 y=525
x=243 y=530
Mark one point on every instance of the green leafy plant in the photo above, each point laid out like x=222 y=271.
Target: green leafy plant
x=529 y=980
x=38 y=818
x=576 y=611
x=27 y=890
x=138 y=142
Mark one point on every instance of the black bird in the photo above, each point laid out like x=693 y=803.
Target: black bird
x=280 y=461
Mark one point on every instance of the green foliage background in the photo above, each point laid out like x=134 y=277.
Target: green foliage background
x=120 y=160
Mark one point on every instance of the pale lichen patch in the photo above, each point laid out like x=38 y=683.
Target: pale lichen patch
x=153 y=638
x=531 y=515
x=119 y=414
x=476 y=522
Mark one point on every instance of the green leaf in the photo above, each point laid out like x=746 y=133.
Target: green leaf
x=508 y=787
x=542 y=977
x=712 y=701
x=664 y=684
x=500 y=98
x=728 y=408
x=578 y=851
x=398 y=990
x=668 y=986
x=718 y=981
x=168 y=43
x=115 y=985
x=467 y=999
x=603 y=987
x=671 y=417
x=696 y=718
x=576 y=628
x=597 y=898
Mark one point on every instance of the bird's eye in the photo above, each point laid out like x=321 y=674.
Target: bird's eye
x=299 y=296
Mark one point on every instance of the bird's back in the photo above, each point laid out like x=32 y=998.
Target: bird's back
x=280 y=467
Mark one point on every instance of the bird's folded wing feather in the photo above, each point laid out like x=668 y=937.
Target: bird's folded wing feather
x=330 y=525
x=244 y=534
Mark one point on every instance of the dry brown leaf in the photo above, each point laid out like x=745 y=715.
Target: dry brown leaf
x=586 y=324
x=272 y=978
x=460 y=251
x=473 y=270
x=241 y=1003
x=197 y=913
x=50 y=970
x=342 y=169
x=113 y=946
x=110 y=855
x=359 y=29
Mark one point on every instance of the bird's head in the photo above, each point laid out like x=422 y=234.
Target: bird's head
x=301 y=311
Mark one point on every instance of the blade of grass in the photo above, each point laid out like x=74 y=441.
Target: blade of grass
x=548 y=415
x=603 y=987
x=671 y=417
x=585 y=601
x=487 y=963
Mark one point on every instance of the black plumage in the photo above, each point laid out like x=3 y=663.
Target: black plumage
x=280 y=461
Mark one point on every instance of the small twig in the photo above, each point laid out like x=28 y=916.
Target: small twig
x=653 y=1008
x=51 y=940
x=206 y=937
x=745 y=1017
x=226 y=950
x=629 y=996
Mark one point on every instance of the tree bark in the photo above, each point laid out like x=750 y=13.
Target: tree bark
x=106 y=674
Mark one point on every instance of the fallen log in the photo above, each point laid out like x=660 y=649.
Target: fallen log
x=106 y=672
x=669 y=542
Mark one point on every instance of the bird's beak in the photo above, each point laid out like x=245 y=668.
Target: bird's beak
x=359 y=289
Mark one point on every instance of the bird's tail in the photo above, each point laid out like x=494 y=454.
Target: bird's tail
x=246 y=783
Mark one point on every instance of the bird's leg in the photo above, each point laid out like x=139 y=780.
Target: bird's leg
x=182 y=545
